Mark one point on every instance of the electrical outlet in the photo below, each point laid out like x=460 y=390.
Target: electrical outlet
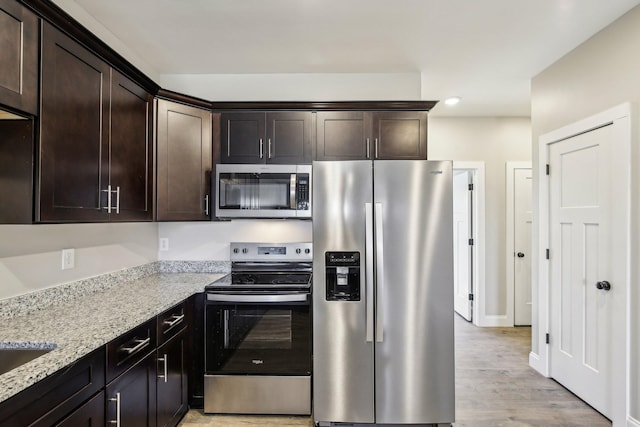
x=68 y=258
x=164 y=244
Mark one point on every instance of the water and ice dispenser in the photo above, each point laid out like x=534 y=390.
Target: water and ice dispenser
x=342 y=276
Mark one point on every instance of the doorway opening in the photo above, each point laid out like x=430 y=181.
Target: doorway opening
x=469 y=238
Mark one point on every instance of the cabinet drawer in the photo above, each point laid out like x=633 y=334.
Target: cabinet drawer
x=129 y=348
x=51 y=399
x=171 y=322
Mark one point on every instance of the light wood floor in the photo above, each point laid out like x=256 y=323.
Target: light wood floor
x=494 y=387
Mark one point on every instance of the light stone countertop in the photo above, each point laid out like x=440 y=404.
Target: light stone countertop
x=83 y=324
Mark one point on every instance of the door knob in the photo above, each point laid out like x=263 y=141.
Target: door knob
x=520 y=255
x=604 y=285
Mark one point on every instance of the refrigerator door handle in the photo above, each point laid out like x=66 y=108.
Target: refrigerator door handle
x=369 y=279
x=379 y=273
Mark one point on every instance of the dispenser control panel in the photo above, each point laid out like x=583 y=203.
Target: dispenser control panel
x=342 y=276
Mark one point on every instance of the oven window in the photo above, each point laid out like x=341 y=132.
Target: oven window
x=257 y=329
x=254 y=191
x=258 y=339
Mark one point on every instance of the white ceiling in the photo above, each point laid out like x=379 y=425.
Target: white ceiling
x=485 y=51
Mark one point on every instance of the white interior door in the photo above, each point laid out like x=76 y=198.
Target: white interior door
x=588 y=207
x=462 y=267
x=522 y=187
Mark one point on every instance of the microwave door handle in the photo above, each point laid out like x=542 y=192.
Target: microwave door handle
x=292 y=192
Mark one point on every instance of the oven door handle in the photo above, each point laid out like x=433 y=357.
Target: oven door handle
x=258 y=298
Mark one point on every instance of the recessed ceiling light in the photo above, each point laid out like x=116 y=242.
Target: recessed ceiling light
x=452 y=101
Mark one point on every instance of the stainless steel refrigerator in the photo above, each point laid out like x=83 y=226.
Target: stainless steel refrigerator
x=383 y=292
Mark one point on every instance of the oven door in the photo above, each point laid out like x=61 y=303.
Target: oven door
x=258 y=334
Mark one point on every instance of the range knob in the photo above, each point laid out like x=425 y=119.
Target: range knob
x=307 y=251
x=245 y=250
x=236 y=250
x=298 y=251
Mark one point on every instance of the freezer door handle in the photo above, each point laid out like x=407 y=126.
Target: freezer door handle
x=368 y=212
x=379 y=273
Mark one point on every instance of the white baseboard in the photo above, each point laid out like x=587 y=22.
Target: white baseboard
x=537 y=363
x=494 y=321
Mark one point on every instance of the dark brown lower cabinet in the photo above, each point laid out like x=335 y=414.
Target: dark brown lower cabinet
x=50 y=401
x=172 y=381
x=91 y=414
x=131 y=398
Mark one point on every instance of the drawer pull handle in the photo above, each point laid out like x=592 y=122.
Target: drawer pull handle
x=140 y=344
x=176 y=319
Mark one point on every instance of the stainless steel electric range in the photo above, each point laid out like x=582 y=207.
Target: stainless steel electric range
x=258 y=332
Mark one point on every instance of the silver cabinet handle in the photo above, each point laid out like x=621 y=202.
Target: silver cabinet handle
x=175 y=321
x=140 y=344
x=118 y=200
x=368 y=213
x=368 y=148
x=379 y=273
x=261 y=150
x=206 y=204
x=269 y=146
x=117 y=400
x=257 y=298
x=164 y=361
x=375 y=141
x=108 y=191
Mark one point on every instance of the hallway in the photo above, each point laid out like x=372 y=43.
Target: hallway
x=494 y=387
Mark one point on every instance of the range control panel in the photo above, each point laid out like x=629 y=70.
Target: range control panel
x=342 y=276
x=245 y=251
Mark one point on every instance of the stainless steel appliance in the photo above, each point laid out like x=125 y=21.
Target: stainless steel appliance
x=258 y=332
x=383 y=293
x=263 y=191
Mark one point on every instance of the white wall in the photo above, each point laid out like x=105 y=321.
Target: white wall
x=194 y=241
x=295 y=87
x=493 y=141
x=30 y=255
x=600 y=74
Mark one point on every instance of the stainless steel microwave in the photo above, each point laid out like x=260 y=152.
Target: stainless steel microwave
x=263 y=191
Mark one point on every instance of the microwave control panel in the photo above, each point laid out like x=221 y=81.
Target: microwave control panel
x=302 y=192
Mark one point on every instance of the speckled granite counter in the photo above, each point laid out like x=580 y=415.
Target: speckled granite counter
x=84 y=323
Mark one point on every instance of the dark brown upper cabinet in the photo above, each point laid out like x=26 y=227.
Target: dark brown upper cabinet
x=94 y=141
x=184 y=162
x=274 y=137
x=131 y=165
x=16 y=166
x=18 y=57
x=381 y=135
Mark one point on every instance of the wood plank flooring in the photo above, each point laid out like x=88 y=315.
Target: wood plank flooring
x=494 y=387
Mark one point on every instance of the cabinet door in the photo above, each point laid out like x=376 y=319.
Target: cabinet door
x=74 y=144
x=399 y=135
x=132 y=396
x=131 y=152
x=16 y=164
x=91 y=414
x=288 y=137
x=184 y=162
x=343 y=135
x=172 y=381
x=243 y=138
x=18 y=57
